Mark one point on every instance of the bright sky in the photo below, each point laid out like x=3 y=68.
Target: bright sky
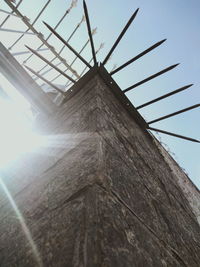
x=176 y=20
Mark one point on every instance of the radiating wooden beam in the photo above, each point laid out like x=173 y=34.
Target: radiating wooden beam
x=28 y=52
x=174 y=113
x=12 y=12
x=57 y=76
x=89 y=32
x=164 y=96
x=9 y=13
x=150 y=78
x=69 y=46
x=48 y=70
x=72 y=5
x=15 y=31
x=40 y=36
x=97 y=51
x=50 y=64
x=45 y=80
x=173 y=134
x=137 y=57
x=35 y=20
x=62 y=48
x=120 y=36
x=82 y=49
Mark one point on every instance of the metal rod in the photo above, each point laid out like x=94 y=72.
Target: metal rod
x=70 y=65
x=150 y=77
x=164 y=96
x=174 y=113
x=27 y=52
x=69 y=46
x=173 y=134
x=97 y=51
x=84 y=46
x=69 y=38
x=73 y=4
x=48 y=70
x=53 y=66
x=10 y=14
x=45 y=80
x=40 y=36
x=40 y=13
x=120 y=36
x=14 y=31
x=138 y=56
x=89 y=32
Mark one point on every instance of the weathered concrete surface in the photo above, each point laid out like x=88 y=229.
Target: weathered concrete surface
x=100 y=194
x=190 y=190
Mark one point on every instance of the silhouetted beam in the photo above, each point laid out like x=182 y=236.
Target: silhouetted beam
x=84 y=46
x=69 y=46
x=97 y=51
x=12 y=12
x=120 y=36
x=150 y=78
x=50 y=64
x=48 y=70
x=69 y=38
x=40 y=36
x=173 y=134
x=6 y=12
x=82 y=49
x=138 y=56
x=175 y=113
x=45 y=80
x=73 y=4
x=70 y=64
x=35 y=20
x=14 y=31
x=164 y=96
x=28 y=52
x=89 y=32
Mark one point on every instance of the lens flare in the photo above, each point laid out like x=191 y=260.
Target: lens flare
x=22 y=223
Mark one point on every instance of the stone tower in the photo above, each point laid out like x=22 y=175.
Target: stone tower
x=100 y=194
x=102 y=191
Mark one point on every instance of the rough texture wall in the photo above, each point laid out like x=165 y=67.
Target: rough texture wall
x=100 y=194
x=190 y=190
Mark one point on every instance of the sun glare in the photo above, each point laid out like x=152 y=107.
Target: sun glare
x=16 y=135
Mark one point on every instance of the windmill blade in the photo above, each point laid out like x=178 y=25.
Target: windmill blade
x=120 y=36
x=45 y=80
x=164 y=96
x=89 y=32
x=150 y=77
x=137 y=57
x=173 y=134
x=69 y=46
x=50 y=64
x=174 y=113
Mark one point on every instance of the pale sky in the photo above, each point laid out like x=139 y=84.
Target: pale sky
x=176 y=20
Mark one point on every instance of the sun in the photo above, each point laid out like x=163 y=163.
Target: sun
x=16 y=134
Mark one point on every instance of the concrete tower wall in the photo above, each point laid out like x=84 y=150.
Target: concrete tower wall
x=101 y=194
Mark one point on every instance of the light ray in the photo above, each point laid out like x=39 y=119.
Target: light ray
x=22 y=221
